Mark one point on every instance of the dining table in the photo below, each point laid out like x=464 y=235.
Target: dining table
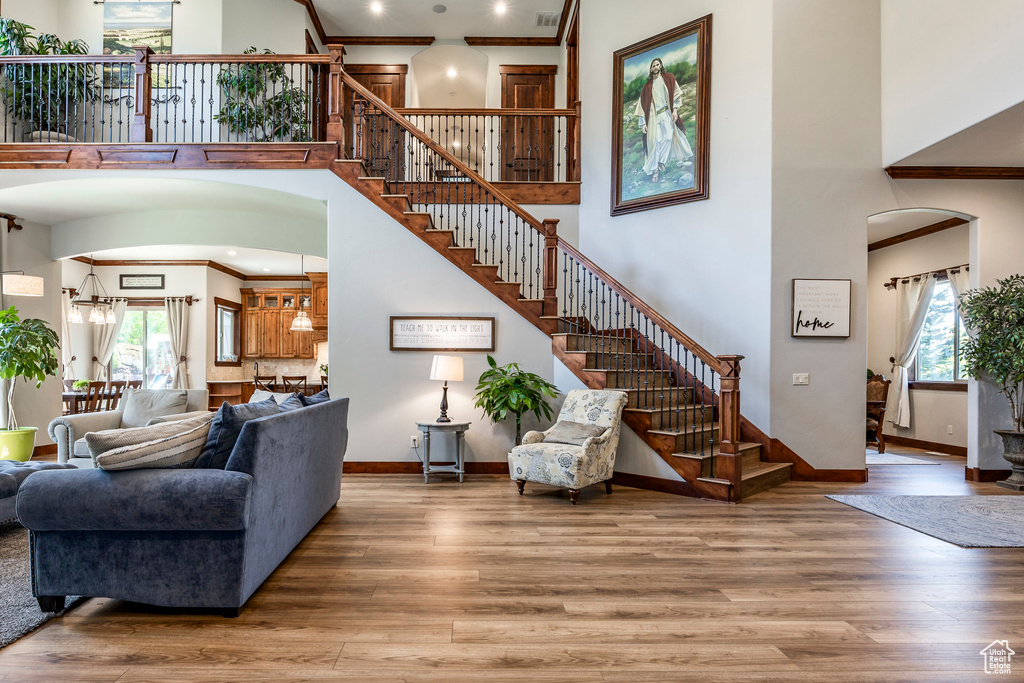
x=75 y=401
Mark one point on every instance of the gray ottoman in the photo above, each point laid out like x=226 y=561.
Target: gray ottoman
x=12 y=473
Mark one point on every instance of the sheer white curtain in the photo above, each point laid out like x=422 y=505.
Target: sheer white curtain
x=177 y=326
x=104 y=339
x=65 y=336
x=914 y=297
x=960 y=281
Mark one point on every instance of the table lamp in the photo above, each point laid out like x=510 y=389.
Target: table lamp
x=448 y=369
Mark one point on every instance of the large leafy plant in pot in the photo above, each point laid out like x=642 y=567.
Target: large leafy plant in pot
x=45 y=97
x=260 y=103
x=994 y=353
x=510 y=390
x=28 y=350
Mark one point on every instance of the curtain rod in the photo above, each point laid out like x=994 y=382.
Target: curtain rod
x=892 y=282
x=139 y=300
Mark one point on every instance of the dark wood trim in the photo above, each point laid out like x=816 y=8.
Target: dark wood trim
x=311 y=48
x=378 y=40
x=701 y=159
x=277 y=278
x=416 y=467
x=51 y=449
x=251 y=58
x=979 y=475
x=377 y=68
x=265 y=155
x=521 y=193
x=563 y=19
x=955 y=172
x=227 y=270
x=114 y=263
x=498 y=41
x=919 y=232
x=542 y=69
x=237 y=349
x=641 y=481
x=572 y=59
x=495 y=111
x=960 y=387
x=315 y=18
x=946 y=448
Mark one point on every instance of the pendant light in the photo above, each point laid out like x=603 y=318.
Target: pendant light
x=301 y=322
x=92 y=293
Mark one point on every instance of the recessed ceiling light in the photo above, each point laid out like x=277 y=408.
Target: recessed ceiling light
x=376 y=7
x=232 y=253
x=440 y=9
x=266 y=270
x=500 y=8
x=452 y=73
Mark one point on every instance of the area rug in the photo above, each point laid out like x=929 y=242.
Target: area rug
x=19 y=611
x=871 y=458
x=967 y=521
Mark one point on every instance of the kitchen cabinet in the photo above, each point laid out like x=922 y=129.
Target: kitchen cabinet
x=318 y=314
x=267 y=316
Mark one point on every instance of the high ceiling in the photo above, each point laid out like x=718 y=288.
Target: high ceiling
x=996 y=141
x=254 y=262
x=418 y=18
x=891 y=223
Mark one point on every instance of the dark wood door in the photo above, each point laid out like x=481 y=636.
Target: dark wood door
x=527 y=142
x=375 y=137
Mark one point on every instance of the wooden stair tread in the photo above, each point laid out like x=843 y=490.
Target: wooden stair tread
x=684 y=432
x=764 y=468
x=744 y=447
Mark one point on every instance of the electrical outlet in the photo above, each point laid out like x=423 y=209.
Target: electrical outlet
x=949 y=429
x=414 y=442
x=800 y=378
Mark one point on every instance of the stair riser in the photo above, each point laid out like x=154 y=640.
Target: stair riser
x=659 y=398
x=694 y=442
x=619 y=361
x=684 y=419
x=619 y=379
x=579 y=342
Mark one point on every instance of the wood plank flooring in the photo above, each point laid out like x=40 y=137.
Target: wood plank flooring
x=447 y=582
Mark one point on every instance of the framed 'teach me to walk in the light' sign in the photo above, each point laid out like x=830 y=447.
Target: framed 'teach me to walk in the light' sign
x=441 y=333
x=821 y=308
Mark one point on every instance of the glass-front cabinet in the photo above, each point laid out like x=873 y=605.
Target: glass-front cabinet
x=267 y=317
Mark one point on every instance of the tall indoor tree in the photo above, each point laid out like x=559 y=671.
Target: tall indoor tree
x=509 y=389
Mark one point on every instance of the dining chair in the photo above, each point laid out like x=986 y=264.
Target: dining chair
x=266 y=382
x=323 y=382
x=115 y=393
x=95 y=397
x=134 y=384
x=293 y=383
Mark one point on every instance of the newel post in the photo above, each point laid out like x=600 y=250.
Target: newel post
x=550 y=283
x=730 y=463
x=576 y=166
x=336 y=98
x=141 y=131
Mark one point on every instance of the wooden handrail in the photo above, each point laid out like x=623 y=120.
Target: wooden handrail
x=642 y=306
x=410 y=111
x=66 y=59
x=253 y=58
x=442 y=152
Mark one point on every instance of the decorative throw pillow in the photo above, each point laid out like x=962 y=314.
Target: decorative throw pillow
x=293 y=402
x=139 y=406
x=109 y=439
x=260 y=395
x=315 y=398
x=572 y=433
x=172 y=451
x=226 y=427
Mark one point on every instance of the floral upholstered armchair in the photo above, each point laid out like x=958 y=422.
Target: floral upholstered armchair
x=579 y=450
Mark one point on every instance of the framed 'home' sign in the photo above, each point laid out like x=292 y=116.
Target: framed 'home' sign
x=441 y=333
x=821 y=308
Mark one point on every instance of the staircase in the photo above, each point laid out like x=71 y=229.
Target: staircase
x=683 y=401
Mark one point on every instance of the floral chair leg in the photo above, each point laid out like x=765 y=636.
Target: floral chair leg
x=573 y=495
x=521 y=484
x=608 y=486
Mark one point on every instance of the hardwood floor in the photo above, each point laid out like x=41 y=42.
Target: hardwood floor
x=471 y=582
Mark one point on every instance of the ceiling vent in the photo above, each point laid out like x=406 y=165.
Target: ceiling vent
x=548 y=18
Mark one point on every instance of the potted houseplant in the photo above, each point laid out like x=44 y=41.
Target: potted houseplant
x=45 y=97
x=994 y=352
x=260 y=103
x=28 y=350
x=511 y=390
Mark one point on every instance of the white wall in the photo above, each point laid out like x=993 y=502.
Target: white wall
x=931 y=412
x=826 y=177
x=29 y=250
x=946 y=65
x=264 y=24
x=676 y=258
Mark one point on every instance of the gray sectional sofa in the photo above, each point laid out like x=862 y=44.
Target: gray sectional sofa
x=198 y=538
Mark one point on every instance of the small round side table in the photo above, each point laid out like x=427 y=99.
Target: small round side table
x=459 y=467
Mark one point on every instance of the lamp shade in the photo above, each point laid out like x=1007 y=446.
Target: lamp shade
x=447 y=368
x=301 y=323
x=23 y=285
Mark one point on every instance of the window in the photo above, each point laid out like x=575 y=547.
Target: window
x=227 y=316
x=939 y=356
x=143 y=349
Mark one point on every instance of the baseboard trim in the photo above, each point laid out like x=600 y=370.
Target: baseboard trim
x=979 y=475
x=804 y=471
x=48 y=449
x=408 y=467
x=640 y=481
x=926 y=445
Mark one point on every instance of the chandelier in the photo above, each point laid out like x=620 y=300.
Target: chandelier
x=93 y=294
x=301 y=322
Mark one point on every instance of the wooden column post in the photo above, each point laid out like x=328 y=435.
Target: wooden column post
x=576 y=146
x=730 y=463
x=550 y=266
x=336 y=99
x=141 y=130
